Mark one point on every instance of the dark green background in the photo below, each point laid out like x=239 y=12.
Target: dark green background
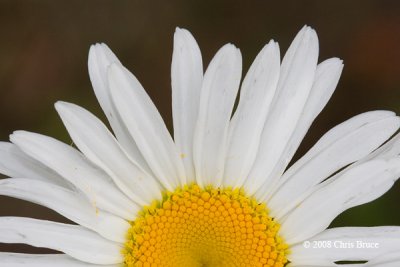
x=44 y=45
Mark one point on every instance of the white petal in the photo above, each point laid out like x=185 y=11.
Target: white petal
x=70 y=204
x=43 y=260
x=347 y=244
x=146 y=126
x=333 y=136
x=349 y=188
x=256 y=94
x=74 y=240
x=15 y=163
x=326 y=78
x=387 y=260
x=294 y=86
x=390 y=149
x=359 y=141
x=187 y=77
x=99 y=145
x=74 y=167
x=218 y=94
x=100 y=58
x=340 y=131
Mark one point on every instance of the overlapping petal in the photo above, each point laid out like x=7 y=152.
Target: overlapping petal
x=186 y=81
x=218 y=94
x=74 y=240
x=295 y=82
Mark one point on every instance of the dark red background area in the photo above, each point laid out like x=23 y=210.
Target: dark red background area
x=44 y=46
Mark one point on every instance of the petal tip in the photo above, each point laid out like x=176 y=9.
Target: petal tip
x=62 y=106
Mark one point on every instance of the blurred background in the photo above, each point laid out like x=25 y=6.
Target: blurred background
x=44 y=46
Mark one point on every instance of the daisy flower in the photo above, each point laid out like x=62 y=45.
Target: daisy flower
x=220 y=192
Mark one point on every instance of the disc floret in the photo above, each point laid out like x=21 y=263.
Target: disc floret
x=213 y=227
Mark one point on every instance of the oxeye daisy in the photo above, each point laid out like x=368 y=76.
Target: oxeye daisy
x=219 y=193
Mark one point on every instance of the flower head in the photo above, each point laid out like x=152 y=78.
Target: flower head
x=218 y=194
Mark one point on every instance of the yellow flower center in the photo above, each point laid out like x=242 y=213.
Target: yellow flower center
x=210 y=227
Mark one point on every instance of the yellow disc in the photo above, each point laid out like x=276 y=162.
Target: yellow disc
x=210 y=227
